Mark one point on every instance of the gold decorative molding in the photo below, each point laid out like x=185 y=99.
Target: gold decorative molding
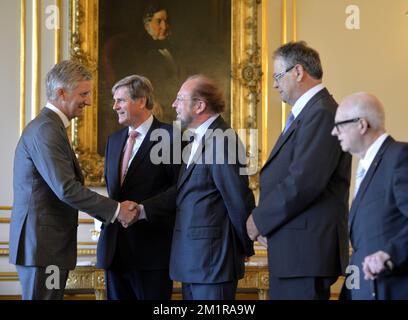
x=80 y=252
x=245 y=81
x=265 y=83
x=86 y=221
x=294 y=20
x=5 y=208
x=58 y=32
x=23 y=30
x=285 y=39
x=36 y=59
x=80 y=221
x=8 y=276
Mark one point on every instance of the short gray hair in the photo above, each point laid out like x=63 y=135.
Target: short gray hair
x=138 y=87
x=300 y=53
x=66 y=75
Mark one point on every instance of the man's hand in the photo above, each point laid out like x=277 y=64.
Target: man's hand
x=128 y=213
x=375 y=264
x=252 y=230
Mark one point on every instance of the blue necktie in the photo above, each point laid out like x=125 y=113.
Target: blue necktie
x=289 y=121
x=359 y=178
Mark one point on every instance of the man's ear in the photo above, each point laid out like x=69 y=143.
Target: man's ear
x=143 y=101
x=363 y=126
x=200 y=106
x=300 y=72
x=60 y=93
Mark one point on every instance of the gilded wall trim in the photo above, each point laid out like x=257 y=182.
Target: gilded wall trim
x=265 y=83
x=245 y=80
x=23 y=30
x=80 y=252
x=58 y=32
x=36 y=59
x=80 y=221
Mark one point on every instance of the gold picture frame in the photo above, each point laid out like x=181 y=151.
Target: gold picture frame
x=246 y=76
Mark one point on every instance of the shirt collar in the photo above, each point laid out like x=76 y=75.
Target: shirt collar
x=372 y=151
x=144 y=127
x=200 y=131
x=305 y=98
x=61 y=114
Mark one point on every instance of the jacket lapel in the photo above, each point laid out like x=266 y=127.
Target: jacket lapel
x=51 y=114
x=143 y=150
x=184 y=174
x=283 y=138
x=116 y=147
x=367 y=179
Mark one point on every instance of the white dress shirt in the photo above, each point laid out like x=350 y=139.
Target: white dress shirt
x=372 y=152
x=198 y=136
x=305 y=98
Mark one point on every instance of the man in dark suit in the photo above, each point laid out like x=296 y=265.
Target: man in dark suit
x=304 y=185
x=136 y=259
x=212 y=199
x=378 y=219
x=49 y=191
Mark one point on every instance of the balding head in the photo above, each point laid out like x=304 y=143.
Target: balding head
x=367 y=106
x=359 y=122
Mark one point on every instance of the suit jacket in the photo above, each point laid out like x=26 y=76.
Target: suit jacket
x=142 y=246
x=48 y=192
x=379 y=221
x=304 y=188
x=212 y=203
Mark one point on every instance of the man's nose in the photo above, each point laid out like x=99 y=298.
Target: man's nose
x=88 y=100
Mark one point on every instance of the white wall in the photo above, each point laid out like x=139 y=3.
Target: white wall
x=373 y=58
x=9 y=91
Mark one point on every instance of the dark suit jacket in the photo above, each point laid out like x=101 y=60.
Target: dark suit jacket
x=48 y=192
x=142 y=246
x=379 y=221
x=304 y=188
x=213 y=202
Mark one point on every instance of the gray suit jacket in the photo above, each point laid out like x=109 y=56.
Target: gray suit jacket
x=212 y=203
x=48 y=192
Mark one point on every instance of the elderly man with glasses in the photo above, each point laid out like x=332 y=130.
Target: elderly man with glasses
x=378 y=216
x=304 y=185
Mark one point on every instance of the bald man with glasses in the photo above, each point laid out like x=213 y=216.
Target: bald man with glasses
x=378 y=219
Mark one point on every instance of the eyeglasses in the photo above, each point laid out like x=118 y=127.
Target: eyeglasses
x=279 y=76
x=337 y=125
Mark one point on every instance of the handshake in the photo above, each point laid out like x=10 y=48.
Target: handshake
x=128 y=213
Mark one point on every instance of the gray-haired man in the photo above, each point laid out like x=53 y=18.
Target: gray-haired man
x=49 y=191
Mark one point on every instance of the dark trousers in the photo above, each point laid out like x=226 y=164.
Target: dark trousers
x=216 y=291
x=300 y=288
x=36 y=284
x=138 y=285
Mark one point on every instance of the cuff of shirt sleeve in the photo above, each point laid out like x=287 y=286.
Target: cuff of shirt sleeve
x=116 y=213
x=142 y=214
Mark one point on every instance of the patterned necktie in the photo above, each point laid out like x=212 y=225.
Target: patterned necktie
x=128 y=154
x=289 y=121
x=359 y=177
